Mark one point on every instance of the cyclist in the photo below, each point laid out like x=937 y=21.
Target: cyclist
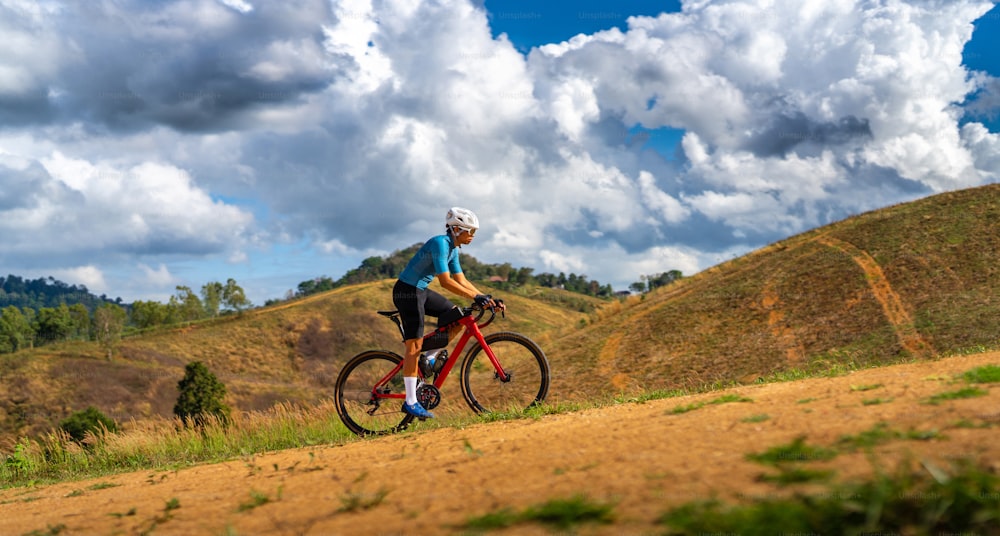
x=436 y=259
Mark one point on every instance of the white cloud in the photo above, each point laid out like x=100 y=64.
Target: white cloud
x=96 y=214
x=157 y=277
x=557 y=262
x=670 y=209
x=239 y=5
x=149 y=283
x=353 y=125
x=985 y=149
x=90 y=276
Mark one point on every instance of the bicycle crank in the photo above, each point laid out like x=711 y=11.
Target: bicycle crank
x=428 y=396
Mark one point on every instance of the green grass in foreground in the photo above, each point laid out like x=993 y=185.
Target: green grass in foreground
x=724 y=399
x=560 y=513
x=923 y=501
x=984 y=374
x=965 y=392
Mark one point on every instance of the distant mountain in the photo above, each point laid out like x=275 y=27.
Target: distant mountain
x=47 y=292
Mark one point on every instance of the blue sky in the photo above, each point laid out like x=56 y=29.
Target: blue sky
x=146 y=145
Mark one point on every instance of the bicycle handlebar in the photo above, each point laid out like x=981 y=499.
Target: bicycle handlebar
x=481 y=310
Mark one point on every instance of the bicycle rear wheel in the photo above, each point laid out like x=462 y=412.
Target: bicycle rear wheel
x=359 y=408
x=521 y=359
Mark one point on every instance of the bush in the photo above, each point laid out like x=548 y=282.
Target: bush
x=89 y=420
x=201 y=396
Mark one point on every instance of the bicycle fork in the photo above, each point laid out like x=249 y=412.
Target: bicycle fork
x=472 y=330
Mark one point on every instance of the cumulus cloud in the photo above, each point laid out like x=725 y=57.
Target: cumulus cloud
x=80 y=208
x=165 y=129
x=90 y=276
x=192 y=64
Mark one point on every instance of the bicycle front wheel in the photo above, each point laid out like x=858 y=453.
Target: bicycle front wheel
x=362 y=394
x=524 y=364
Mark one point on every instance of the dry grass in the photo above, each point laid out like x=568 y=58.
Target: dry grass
x=159 y=442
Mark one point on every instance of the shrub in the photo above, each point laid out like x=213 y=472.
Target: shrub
x=89 y=420
x=201 y=396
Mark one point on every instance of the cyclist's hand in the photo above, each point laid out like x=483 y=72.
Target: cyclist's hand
x=501 y=306
x=486 y=301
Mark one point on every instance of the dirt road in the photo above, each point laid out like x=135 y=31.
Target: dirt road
x=642 y=458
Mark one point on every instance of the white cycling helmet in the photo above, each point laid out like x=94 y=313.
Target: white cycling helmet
x=463 y=218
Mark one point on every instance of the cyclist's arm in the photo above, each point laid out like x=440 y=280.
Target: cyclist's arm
x=462 y=280
x=457 y=284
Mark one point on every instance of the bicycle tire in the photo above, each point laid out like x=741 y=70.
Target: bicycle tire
x=359 y=410
x=520 y=357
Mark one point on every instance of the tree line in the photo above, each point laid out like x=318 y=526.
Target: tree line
x=647 y=283
x=79 y=315
x=500 y=275
x=47 y=292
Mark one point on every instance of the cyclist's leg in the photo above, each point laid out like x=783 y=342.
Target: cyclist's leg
x=441 y=307
x=409 y=301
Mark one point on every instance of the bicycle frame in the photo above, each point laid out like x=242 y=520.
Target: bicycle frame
x=471 y=331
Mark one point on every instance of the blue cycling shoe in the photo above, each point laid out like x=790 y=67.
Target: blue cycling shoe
x=417 y=411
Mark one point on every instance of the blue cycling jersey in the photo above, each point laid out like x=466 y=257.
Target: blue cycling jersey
x=437 y=256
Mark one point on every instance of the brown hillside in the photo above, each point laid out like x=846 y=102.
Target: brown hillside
x=285 y=353
x=907 y=282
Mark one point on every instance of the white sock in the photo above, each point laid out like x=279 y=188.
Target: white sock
x=410 y=382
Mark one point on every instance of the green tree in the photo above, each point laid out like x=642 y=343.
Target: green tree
x=663 y=279
x=186 y=304
x=638 y=287
x=234 y=297
x=523 y=276
x=201 y=396
x=146 y=314
x=16 y=332
x=53 y=323
x=109 y=322
x=79 y=321
x=211 y=296
x=90 y=420
x=314 y=286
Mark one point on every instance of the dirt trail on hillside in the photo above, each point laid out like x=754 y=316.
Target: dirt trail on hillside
x=892 y=305
x=643 y=458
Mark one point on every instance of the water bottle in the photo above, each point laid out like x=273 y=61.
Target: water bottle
x=437 y=362
x=425 y=365
x=434 y=363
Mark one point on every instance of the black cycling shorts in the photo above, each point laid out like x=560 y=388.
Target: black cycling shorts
x=414 y=303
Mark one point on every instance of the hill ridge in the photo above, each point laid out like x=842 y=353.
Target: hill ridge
x=883 y=286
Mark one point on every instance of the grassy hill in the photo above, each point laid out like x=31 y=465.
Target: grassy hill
x=290 y=352
x=911 y=281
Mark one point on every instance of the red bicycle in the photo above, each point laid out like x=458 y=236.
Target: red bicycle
x=502 y=371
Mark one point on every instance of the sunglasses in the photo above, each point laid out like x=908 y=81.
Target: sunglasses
x=472 y=232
